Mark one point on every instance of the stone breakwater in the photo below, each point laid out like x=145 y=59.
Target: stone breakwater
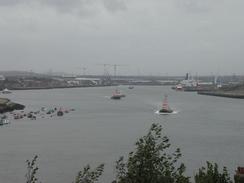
x=7 y=105
x=238 y=95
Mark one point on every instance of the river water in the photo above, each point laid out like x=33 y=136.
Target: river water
x=101 y=130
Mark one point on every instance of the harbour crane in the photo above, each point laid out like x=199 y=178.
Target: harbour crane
x=84 y=69
x=105 y=72
x=115 y=66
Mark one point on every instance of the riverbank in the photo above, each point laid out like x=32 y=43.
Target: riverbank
x=83 y=86
x=57 y=87
x=7 y=105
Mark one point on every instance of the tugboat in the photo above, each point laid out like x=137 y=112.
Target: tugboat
x=165 y=107
x=116 y=95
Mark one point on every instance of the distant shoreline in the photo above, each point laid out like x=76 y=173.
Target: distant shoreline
x=94 y=86
x=61 y=87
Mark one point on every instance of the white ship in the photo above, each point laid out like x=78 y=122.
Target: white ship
x=6 y=91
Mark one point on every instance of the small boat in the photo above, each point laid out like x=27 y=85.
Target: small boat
x=131 y=87
x=165 y=107
x=116 y=95
x=179 y=87
x=60 y=113
x=4 y=120
x=6 y=91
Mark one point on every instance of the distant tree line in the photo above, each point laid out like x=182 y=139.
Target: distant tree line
x=152 y=161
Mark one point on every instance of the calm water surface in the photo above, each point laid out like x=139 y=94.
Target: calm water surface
x=101 y=130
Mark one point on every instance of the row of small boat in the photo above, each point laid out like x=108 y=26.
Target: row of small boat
x=41 y=113
x=33 y=115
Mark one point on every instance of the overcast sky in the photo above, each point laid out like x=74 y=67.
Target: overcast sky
x=147 y=36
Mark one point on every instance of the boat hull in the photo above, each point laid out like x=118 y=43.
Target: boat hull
x=166 y=111
x=116 y=97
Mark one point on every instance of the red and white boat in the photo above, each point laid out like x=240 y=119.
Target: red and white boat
x=165 y=107
x=117 y=95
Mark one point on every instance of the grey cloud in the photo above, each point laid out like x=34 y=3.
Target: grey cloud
x=115 y=5
x=57 y=3
x=194 y=6
x=84 y=6
x=69 y=6
x=12 y=2
x=155 y=34
x=65 y=6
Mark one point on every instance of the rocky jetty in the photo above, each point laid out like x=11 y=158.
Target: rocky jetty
x=7 y=105
x=223 y=94
x=227 y=91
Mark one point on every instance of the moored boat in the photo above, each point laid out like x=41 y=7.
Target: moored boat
x=4 y=120
x=188 y=84
x=6 y=91
x=179 y=87
x=60 y=112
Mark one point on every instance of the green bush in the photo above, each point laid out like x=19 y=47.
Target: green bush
x=152 y=161
x=211 y=174
x=31 y=170
x=89 y=176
